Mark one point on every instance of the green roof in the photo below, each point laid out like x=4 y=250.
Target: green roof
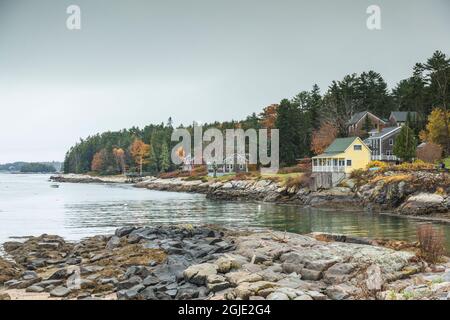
x=339 y=145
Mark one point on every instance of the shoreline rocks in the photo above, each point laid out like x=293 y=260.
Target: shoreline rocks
x=208 y=262
x=416 y=195
x=85 y=178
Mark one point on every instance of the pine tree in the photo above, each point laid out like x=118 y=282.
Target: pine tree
x=152 y=161
x=164 y=158
x=405 y=144
x=288 y=121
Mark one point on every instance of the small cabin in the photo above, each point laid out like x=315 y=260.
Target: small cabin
x=343 y=156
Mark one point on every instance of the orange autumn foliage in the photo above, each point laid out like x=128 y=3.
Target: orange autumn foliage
x=323 y=137
x=140 y=152
x=269 y=116
x=98 y=161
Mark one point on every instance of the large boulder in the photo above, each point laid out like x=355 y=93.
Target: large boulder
x=374 y=281
x=422 y=204
x=198 y=274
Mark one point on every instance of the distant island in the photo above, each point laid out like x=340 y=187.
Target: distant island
x=31 y=167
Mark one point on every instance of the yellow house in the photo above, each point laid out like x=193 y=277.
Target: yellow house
x=343 y=155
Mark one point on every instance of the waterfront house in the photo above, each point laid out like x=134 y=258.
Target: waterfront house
x=357 y=125
x=381 y=143
x=232 y=164
x=399 y=118
x=343 y=156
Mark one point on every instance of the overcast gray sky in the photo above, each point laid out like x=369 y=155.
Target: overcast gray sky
x=139 y=62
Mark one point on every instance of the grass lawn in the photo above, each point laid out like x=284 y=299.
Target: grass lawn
x=283 y=177
x=447 y=162
x=276 y=176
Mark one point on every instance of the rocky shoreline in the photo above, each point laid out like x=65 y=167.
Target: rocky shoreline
x=421 y=194
x=85 y=178
x=206 y=262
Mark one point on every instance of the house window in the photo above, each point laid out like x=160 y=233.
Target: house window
x=357 y=147
x=341 y=162
x=335 y=162
x=388 y=153
x=391 y=142
x=349 y=163
x=315 y=162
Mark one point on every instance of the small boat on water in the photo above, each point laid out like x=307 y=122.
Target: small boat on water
x=54 y=185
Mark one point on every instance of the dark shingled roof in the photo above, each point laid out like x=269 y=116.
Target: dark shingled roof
x=383 y=132
x=356 y=117
x=401 y=116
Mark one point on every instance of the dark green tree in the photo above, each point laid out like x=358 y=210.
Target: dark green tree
x=405 y=144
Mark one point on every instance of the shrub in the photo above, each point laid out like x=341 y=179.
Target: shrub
x=414 y=166
x=247 y=175
x=429 y=152
x=169 y=175
x=377 y=164
x=293 y=169
x=431 y=242
x=301 y=181
x=358 y=175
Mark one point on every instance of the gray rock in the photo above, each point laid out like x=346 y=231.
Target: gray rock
x=308 y=274
x=60 y=292
x=122 y=232
x=73 y=261
x=12 y=245
x=292 y=257
x=256 y=298
x=321 y=265
x=90 y=269
x=131 y=293
x=338 y=273
x=291 y=293
x=46 y=283
x=289 y=267
x=260 y=258
x=197 y=274
x=374 y=281
x=147 y=294
x=172 y=293
x=34 y=288
x=59 y=274
x=316 y=295
x=127 y=284
x=341 y=291
x=141 y=271
x=150 y=281
x=49 y=245
x=277 y=296
x=112 y=281
x=303 y=297
x=218 y=286
x=187 y=293
x=29 y=275
x=114 y=242
x=21 y=284
x=292 y=281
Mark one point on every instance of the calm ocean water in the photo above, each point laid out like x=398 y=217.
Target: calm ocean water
x=29 y=206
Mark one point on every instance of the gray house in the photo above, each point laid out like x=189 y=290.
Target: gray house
x=398 y=118
x=381 y=143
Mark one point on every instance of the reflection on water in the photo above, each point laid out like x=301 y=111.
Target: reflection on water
x=28 y=206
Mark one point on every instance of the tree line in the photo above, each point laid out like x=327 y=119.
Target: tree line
x=307 y=121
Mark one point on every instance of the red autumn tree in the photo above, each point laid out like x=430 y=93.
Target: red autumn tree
x=323 y=137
